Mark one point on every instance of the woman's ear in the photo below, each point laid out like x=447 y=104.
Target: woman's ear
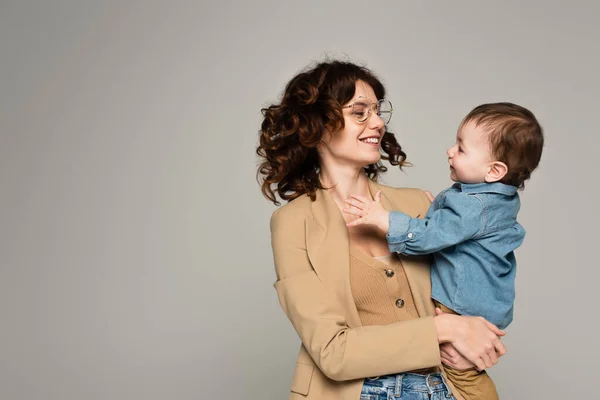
x=496 y=171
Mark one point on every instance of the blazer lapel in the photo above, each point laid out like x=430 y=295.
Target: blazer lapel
x=329 y=251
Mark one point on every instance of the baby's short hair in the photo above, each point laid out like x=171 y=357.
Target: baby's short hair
x=515 y=135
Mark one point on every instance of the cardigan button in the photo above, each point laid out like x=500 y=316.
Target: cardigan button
x=399 y=303
x=389 y=273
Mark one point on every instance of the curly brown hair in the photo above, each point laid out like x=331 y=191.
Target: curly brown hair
x=291 y=130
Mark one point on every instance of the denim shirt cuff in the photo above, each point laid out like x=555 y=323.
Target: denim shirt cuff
x=397 y=234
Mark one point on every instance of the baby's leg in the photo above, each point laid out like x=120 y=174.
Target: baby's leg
x=472 y=384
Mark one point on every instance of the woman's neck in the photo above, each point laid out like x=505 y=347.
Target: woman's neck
x=341 y=183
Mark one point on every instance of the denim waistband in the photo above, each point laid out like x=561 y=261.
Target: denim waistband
x=395 y=384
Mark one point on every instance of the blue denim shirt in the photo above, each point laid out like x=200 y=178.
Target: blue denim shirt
x=472 y=231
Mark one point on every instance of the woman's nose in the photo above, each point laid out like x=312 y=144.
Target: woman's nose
x=375 y=121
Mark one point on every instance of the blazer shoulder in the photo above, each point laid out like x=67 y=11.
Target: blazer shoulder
x=408 y=193
x=410 y=198
x=297 y=209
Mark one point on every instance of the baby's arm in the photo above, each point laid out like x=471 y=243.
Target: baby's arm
x=458 y=218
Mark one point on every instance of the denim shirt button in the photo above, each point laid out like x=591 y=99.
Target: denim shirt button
x=410 y=235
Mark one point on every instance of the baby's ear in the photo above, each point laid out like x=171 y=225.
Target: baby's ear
x=496 y=171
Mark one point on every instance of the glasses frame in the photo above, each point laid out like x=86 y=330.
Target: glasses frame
x=379 y=112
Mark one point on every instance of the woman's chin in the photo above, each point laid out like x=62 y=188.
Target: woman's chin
x=373 y=156
x=372 y=160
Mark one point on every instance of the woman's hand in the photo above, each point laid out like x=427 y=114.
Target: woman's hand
x=473 y=337
x=452 y=358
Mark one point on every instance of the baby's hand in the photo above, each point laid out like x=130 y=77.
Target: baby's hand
x=370 y=212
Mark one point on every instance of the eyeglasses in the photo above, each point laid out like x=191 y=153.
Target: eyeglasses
x=362 y=107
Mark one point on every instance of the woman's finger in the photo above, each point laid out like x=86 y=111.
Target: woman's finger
x=446 y=355
x=447 y=362
x=494 y=328
x=493 y=356
x=451 y=351
x=479 y=364
x=473 y=358
x=487 y=360
x=499 y=346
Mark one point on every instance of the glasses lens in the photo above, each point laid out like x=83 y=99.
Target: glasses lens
x=360 y=110
x=385 y=110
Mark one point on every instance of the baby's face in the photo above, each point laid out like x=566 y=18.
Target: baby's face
x=470 y=156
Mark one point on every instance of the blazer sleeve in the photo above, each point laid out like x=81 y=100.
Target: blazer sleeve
x=342 y=353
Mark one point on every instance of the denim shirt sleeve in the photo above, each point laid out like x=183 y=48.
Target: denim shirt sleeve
x=459 y=217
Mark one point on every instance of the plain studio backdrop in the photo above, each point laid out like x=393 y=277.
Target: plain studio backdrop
x=135 y=258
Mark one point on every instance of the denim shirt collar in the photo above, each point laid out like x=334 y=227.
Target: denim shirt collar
x=495 y=187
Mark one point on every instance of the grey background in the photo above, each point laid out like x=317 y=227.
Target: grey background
x=135 y=258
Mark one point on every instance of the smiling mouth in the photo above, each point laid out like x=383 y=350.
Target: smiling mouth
x=370 y=140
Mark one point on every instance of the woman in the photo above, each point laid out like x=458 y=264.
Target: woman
x=364 y=316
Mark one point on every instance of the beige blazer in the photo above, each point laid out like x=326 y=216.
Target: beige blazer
x=311 y=253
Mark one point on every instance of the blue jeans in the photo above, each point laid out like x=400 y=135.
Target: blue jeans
x=406 y=386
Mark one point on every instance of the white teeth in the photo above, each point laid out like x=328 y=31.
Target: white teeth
x=371 y=140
